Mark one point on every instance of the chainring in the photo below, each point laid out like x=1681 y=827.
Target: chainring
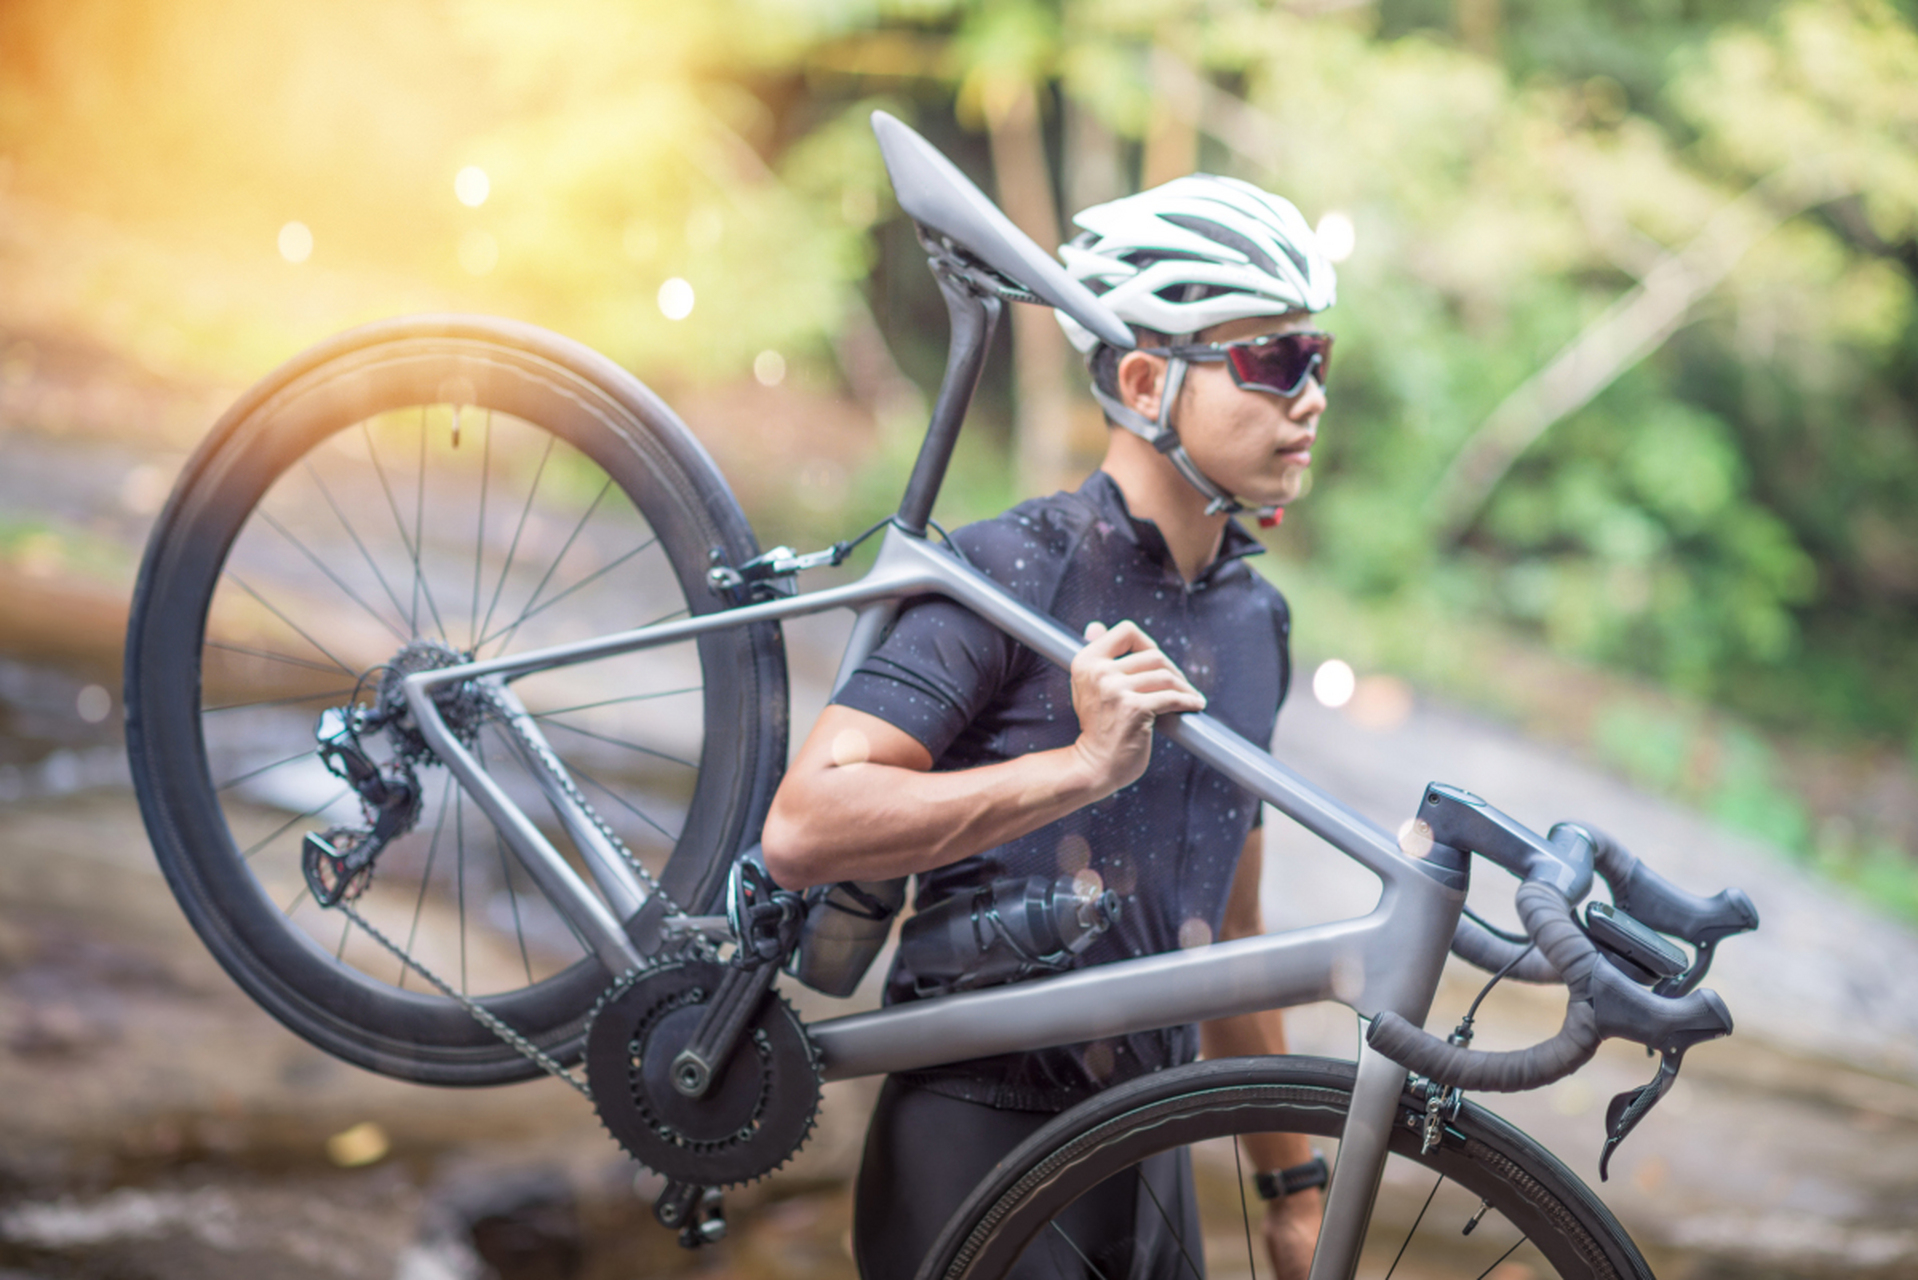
x=759 y=1109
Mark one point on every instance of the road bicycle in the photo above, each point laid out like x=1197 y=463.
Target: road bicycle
x=437 y=803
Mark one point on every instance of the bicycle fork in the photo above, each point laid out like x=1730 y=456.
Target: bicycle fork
x=1423 y=941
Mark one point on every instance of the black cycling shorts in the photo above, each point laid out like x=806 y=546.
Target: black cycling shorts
x=926 y=1151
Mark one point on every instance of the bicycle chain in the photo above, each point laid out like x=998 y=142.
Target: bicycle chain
x=557 y=771
x=480 y=1014
x=490 y=694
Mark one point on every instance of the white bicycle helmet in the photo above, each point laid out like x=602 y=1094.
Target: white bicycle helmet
x=1196 y=252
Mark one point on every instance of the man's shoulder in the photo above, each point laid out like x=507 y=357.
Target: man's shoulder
x=1026 y=548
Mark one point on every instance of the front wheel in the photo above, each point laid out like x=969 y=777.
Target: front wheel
x=1527 y=1212
x=413 y=494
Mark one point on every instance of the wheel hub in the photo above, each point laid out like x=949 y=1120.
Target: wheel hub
x=460 y=705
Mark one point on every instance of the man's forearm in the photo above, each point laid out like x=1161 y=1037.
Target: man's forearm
x=862 y=820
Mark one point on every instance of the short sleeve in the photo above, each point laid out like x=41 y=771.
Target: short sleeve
x=942 y=666
x=936 y=671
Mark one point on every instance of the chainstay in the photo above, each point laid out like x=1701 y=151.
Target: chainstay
x=557 y=771
x=479 y=1013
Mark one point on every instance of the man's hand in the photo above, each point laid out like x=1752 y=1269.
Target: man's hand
x=1121 y=683
x=1291 y=1232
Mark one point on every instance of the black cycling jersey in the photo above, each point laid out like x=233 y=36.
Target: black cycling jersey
x=1168 y=844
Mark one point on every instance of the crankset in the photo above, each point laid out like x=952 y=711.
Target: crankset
x=751 y=1115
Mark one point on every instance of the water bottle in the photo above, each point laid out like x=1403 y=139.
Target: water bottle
x=1004 y=931
x=846 y=926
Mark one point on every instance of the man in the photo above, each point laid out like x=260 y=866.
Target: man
x=957 y=755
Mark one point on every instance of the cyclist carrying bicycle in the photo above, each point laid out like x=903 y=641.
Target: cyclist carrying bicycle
x=956 y=755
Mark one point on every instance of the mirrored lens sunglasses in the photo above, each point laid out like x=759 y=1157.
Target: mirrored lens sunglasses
x=1277 y=362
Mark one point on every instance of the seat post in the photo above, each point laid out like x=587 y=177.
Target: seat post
x=974 y=317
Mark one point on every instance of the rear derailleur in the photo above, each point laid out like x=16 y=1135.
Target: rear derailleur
x=338 y=862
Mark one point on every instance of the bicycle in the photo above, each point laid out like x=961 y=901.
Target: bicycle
x=295 y=570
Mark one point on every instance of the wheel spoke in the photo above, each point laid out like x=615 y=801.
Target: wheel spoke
x=292 y=700
x=1178 y=1236
x=533 y=599
x=459 y=850
x=512 y=548
x=479 y=537
x=331 y=576
x=506 y=873
x=426 y=876
x=512 y=897
x=621 y=801
x=287 y=658
x=419 y=535
x=1415 y=1226
x=353 y=533
x=254 y=773
x=1502 y=1257
x=588 y=580
x=1245 y=1211
x=423 y=588
x=1070 y=1244
x=246 y=855
x=621 y=742
x=274 y=609
x=607 y=702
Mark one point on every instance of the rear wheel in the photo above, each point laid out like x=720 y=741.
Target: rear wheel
x=408 y=495
x=1532 y=1216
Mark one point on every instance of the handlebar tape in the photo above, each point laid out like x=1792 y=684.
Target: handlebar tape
x=1548 y=919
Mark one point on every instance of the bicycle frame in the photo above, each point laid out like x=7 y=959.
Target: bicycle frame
x=1389 y=959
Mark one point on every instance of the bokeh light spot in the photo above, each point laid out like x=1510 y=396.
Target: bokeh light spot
x=769 y=367
x=1333 y=683
x=296 y=242
x=1194 y=932
x=472 y=186
x=1337 y=236
x=94 y=704
x=676 y=299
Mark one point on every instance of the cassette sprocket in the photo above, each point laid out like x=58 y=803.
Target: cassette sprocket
x=758 y=1110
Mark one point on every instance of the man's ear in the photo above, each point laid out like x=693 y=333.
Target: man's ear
x=1141 y=381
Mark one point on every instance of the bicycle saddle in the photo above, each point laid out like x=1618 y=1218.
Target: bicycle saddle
x=936 y=195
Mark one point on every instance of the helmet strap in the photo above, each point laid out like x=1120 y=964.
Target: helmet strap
x=1164 y=437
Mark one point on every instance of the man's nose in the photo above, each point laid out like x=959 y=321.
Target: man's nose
x=1309 y=402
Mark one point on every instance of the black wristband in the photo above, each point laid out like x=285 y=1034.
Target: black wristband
x=1300 y=1177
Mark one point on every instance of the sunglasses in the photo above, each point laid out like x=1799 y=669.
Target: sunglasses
x=1277 y=362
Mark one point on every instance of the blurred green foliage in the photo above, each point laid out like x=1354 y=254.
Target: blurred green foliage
x=1735 y=514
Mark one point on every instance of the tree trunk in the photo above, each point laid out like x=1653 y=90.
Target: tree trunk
x=1042 y=406
x=1172 y=139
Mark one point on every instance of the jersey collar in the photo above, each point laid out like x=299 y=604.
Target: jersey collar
x=1105 y=494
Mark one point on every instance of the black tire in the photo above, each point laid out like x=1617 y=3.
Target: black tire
x=1540 y=1213
x=330 y=521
